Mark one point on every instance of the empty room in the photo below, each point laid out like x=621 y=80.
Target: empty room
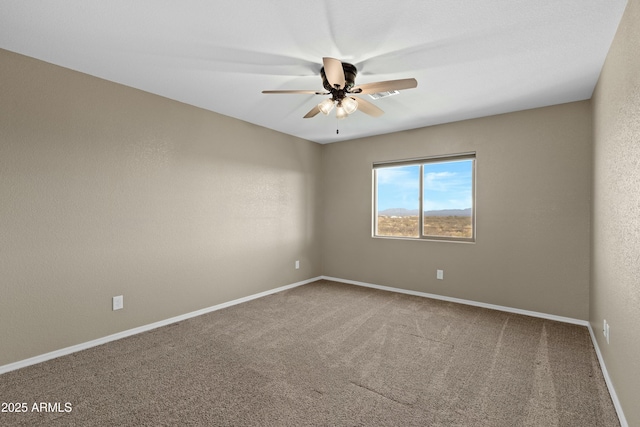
x=242 y=213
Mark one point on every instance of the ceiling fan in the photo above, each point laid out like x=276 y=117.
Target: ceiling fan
x=338 y=78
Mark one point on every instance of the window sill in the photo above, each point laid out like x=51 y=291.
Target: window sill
x=425 y=239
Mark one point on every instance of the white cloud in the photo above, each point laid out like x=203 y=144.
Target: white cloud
x=402 y=178
x=398 y=187
x=441 y=181
x=447 y=190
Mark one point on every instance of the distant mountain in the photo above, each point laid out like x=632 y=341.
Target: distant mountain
x=449 y=212
x=414 y=212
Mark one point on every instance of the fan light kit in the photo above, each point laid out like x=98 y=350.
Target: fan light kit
x=338 y=78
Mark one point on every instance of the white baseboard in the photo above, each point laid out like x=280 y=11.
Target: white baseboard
x=463 y=301
x=607 y=380
x=605 y=373
x=79 y=347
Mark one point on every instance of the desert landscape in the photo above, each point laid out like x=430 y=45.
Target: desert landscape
x=440 y=226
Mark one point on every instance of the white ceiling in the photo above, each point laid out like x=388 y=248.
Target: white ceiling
x=472 y=58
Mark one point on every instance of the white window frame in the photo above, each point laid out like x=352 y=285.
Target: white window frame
x=421 y=162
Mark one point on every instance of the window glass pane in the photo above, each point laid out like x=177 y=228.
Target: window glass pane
x=397 y=198
x=448 y=199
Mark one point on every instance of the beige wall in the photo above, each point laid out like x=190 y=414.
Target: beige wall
x=532 y=200
x=615 y=279
x=107 y=190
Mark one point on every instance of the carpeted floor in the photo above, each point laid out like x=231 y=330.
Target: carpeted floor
x=327 y=354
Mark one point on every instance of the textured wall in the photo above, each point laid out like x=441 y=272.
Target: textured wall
x=615 y=286
x=532 y=200
x=106 y=190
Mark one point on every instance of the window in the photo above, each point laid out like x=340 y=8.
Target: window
x=429 y=198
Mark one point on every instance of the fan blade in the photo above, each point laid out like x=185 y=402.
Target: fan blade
x=308 y=92
x=368 y=108
x=315 y=110
x=385 y=86
x=334 y=72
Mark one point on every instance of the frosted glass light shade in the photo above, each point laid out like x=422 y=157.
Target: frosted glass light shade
x=341 y=113
x=350 y=105
x=326 y=106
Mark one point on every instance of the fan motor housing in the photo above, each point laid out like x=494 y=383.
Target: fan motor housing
x=350 y=72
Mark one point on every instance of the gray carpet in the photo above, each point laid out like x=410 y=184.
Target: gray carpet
x=328 y=354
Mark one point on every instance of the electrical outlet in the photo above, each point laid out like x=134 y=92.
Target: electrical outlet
x=606 y=330
x=118 y=302
x=440 y=274
x=297 y=265
x=608 y=333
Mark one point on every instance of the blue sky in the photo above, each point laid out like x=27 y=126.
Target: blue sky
x=447 y=186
